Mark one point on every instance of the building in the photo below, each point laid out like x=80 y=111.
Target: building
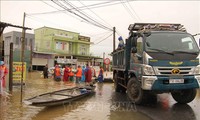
x=54 y=46
x=50 y=46
x=15 y=38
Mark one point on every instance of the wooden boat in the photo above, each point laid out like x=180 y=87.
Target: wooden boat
x=60 y=97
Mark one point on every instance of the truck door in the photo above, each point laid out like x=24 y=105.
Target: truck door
x=136 y=58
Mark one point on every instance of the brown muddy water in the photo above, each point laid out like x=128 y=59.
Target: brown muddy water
x=104 y=105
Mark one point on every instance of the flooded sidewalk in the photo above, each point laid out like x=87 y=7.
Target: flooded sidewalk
x=101 y=106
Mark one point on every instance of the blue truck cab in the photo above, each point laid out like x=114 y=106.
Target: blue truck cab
x=157 y=58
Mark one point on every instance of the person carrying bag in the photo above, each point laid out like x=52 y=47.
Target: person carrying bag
x=100 y=76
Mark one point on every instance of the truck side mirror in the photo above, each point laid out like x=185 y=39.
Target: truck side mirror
x=199 y=41
x=133 y=50
x=139 y=56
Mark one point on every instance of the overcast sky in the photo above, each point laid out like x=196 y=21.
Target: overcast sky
x=119 y=14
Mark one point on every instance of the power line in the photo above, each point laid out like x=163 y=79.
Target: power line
x=52 y=12
x=99 y=34
x=94 y=13
x=85 y=17
x=103 y=39
x=128 y=10
x=40 y=20
x=133 y=10
x=92 y=6
x=50 y=5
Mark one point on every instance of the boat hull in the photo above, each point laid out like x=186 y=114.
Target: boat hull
x=60 y=97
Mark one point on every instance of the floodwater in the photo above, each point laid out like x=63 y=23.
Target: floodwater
x=105 y=104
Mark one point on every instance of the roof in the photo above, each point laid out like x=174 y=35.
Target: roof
x=55 y=29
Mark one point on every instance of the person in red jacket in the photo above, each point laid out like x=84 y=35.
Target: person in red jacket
x=3 y=73
x=66 y=74
x=88 y=75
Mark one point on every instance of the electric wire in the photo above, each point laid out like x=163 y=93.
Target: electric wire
x=85 y=19
x=103 y=39
x=94 y=13
x=50 y=5
x=128 y=10
x=92 y=6
x=128 y=1
x=53 y=12
x=78 y=9
x=44 y=21
x=87 y=16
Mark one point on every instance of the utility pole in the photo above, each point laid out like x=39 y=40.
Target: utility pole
x=22 y=53
x=31 y=52
x=103 y=60
x=114 y=38
x=2 y=27
x=1 y=47
x=10 y=68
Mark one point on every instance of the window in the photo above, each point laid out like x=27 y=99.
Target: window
x=83 y=50
x=70 y=47
x=171 y=42
x=187 y=43
x=57 y=45
x=63 y=46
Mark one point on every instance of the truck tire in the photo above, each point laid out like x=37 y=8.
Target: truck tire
x=118 y=88
x=184 y=96
x=135 y=93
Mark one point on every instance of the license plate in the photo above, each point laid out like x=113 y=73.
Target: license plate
x=176 y=80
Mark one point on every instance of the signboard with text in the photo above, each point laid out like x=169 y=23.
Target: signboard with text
x=66 y=61
x=17 y=71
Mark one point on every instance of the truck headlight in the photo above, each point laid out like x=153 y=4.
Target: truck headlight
x=196 y=70
x=148 y=70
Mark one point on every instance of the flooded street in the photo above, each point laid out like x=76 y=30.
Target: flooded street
x=106 y=104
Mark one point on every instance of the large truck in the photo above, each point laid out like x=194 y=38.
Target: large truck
x=157 y=58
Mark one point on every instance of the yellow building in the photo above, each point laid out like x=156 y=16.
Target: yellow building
x=63 y=47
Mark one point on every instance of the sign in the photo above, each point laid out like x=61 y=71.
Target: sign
x=98 y=60
x=84 y=38
x=17 y=71
x=66 y=61
x=107 y=61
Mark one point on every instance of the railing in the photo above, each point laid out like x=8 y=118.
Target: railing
x=141 y=27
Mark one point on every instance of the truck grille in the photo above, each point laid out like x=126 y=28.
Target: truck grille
x=168 y=70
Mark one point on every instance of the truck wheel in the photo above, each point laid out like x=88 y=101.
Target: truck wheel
x=118 y=88
x=135 y=92
x=184 y=96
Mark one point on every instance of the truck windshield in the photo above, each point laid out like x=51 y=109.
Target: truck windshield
x=171 y=42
